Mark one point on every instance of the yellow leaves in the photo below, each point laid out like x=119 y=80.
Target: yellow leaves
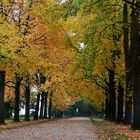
x=8 y=42
x=104 y=58
x=115 y=13
x=74 y=28
x=62 y=100
x=37 y=44
x=95 y=97
x=86 y=89
x=54 y=12
x=55 y=81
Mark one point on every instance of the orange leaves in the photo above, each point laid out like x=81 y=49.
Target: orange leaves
x=38 y=43
x=61 y=100
x=85 y=89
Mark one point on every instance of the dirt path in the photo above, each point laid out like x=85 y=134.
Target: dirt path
x=79 y=128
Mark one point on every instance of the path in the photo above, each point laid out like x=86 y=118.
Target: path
x=79 y=128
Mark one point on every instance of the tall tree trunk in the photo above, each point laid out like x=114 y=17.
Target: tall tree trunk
x=112 y=95
x=27 y=98
x=120 y=103
x=37 y=107
x=45 y=105
x=135 y=47
x=42 y=105
x=2 y=90
x=128 y=100
x=107 y=107
x=50 y=105
x=17 y=97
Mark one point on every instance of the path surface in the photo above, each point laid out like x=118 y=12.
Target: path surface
x=79 y=128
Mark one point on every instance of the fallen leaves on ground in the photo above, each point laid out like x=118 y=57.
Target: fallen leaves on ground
x=112 y=131
x=11 y=125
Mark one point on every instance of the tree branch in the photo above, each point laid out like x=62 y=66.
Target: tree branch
x=98 y=84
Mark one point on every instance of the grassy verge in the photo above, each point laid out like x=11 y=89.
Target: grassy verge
x=13 y=125
x=112 y=131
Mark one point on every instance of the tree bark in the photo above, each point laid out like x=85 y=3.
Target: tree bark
x=45 y=105
x=27 y=98
x=37 y=107
x=112 y=95
x=120 y=103
x=128 y=100
x=17 y=97
x=50 y=105
x=42 y=105
x=135 y=47
x=107 y=107
x=2 y=90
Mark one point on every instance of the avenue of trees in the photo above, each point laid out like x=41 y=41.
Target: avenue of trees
x=32 y=55
x=70 y=50
x=110 y=55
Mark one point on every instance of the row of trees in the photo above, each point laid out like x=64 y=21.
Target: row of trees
x=87 y=49
x=32 y=53
x=109 y=59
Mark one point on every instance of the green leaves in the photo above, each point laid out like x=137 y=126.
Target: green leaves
x=73 y=8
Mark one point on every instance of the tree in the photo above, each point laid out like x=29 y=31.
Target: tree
x=135 y=63
x=120 y=103
x=27 y=100
x=42 y=105
x=128 y=106
x=17 y=96
x=6 y=53
x=50 y=106
x=45 y=104
x=2 y=87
